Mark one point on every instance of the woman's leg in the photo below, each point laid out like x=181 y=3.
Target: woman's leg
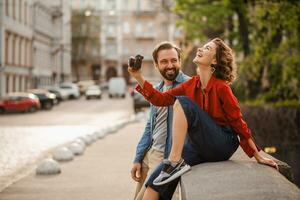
x=179 y=132
x=150 y=194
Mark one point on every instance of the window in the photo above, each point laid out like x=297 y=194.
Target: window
x=20 y=10
x=7 y=7
x=6 y=47
x=21 y=83
x=29 y=49
x=95 y=51
x=25 y=13
x=150 y=29
x=13 y=9
x=14 y=84
x=111 y=50
x=17 y=51
x=20 y=51
x=111 y=29
x=125 y=5
x=138 y=28
x=25 y=53
x=126 y=27
x=13 y=50
x=7 y=83
x=111 y=4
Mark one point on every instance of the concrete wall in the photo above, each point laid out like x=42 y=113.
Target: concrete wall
x=238 y=178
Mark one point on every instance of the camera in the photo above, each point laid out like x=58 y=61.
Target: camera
x=136 y=63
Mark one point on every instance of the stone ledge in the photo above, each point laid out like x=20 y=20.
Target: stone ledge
x=238 y=178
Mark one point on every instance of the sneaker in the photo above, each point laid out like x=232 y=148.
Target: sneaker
x=169 y=173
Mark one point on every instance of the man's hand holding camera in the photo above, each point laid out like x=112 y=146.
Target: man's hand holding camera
x=134 y=68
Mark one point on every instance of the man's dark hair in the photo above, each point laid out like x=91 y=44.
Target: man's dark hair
x=164 y=46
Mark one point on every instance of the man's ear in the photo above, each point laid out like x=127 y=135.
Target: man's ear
x=155 y=64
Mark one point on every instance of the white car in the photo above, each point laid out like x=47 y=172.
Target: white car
x=72 y=90
x=93 y=91
x=83 y=85
x=117 y=87
x=63 y=94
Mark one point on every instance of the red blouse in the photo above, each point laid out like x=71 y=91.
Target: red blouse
x=216 y=99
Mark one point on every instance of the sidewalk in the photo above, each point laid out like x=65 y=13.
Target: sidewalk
x=102 y=172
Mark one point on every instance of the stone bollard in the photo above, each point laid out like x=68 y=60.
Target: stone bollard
x=76 y=148
x=100 y=134
x=48 y=167
x=63 y=154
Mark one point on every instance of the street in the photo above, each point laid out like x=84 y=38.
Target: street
x=74 y=112
x=29 y=137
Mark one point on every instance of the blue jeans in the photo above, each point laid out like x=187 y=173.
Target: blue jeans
x=206 y=141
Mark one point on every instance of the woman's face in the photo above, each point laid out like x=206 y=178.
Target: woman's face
x=206 y=55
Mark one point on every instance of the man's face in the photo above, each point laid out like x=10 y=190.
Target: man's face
x=168 y=63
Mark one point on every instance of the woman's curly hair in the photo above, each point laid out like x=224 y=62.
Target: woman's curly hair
x=225 y=68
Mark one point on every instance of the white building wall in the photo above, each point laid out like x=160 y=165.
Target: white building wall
x=15 y=29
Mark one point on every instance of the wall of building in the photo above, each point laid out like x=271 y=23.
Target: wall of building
x=130 y=27
x=16 y=46
x=33 y=45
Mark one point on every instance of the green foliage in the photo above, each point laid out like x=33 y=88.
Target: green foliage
x=202 y=18
x=270 y=72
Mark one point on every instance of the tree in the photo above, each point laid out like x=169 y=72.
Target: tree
x=267 y=34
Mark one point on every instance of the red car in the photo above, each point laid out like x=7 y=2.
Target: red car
x=19 y=102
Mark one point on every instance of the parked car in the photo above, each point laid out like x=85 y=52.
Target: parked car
x=93 y=91
x=117 y=87
x=47 y=99
x=19 y=102
x=61 y=95
x=72 y=89
x=83 y=85
x=104 y=86
x=139 y=101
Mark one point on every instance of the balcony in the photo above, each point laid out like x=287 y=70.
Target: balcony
x=145 y=35
x=145 y=12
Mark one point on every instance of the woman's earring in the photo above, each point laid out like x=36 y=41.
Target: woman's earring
x=213 y=70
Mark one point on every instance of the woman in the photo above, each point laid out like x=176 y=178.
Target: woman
x=206 y=119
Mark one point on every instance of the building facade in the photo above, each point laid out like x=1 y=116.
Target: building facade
x=86 y=58
x=35 y=50
x=130 y=27
x=52 y=42
x=16 y=36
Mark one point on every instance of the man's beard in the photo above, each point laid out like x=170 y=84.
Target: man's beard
x=169 y=77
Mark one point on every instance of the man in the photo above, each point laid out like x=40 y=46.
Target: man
x=155 y=143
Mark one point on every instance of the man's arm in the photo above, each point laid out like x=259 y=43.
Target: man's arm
x=141 y=149
x=144 y=142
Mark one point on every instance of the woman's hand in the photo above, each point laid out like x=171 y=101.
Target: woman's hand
x=266 y=161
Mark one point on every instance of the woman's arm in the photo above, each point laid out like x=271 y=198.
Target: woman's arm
x=259 y=158
x=152 y=95
x=234 y=117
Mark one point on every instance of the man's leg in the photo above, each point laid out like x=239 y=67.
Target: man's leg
x=154 y=158
x=140 y=188
x=151 y=194
x=165 y=191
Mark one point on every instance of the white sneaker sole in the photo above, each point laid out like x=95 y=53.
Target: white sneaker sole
x=174 y=176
